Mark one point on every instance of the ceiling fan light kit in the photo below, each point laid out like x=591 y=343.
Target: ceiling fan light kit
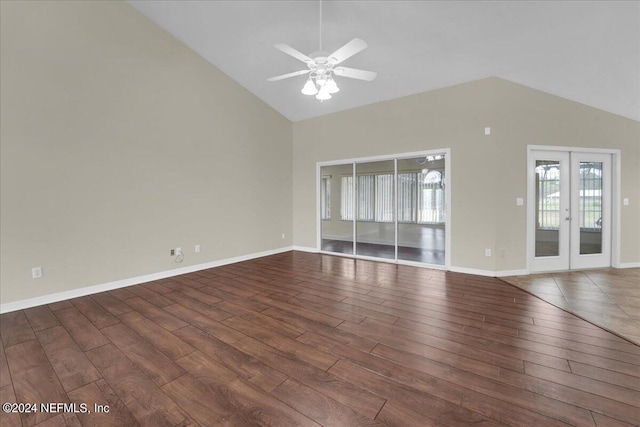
x=321 y=84
x=309 y=88
x=321 y=69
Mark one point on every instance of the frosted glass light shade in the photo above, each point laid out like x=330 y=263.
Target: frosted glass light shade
x=331 y=85
x=323 y=94
x=309 y=88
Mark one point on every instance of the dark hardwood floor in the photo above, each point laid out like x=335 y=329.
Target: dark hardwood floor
x=308 y=339
x=606 y=297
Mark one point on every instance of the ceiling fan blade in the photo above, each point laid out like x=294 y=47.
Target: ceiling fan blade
x=355 y=73
x=293 y=52
x=286 y=76
x=347 y=51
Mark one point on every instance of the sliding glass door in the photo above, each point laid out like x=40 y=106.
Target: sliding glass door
x=336 y=208
x=421 y=209
x=392 y=208
x=375 y=220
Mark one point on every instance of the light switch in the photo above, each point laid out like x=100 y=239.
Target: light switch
x=625 y=201
x=487 y=131
x=519 y=201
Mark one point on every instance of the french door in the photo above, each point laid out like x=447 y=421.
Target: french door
x=571 y=221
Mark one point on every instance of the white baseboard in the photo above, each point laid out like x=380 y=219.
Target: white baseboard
x=80 y=292
x=505 y=273
x=475 y=271
x=489 y=273
x=304 y=249
x=422 y=265
x=629 y=265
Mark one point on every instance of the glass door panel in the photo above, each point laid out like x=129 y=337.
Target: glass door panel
x=336 y=208
x=572 y=205
x=375 y=201
x=591 y=207
x=421 y=209
x=547 y=208
x=551 y=210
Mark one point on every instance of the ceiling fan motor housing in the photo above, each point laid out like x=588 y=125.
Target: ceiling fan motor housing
x=321 y=69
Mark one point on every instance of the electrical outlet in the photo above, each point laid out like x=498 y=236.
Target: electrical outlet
x=487 y=131
x=178 y=251
x=282 y=236
x=172 y=252
x=487 y=252
x=197 y=249
x=36 y=272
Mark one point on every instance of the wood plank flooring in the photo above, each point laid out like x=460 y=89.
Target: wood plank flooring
x=307 y=339
x=606 y=297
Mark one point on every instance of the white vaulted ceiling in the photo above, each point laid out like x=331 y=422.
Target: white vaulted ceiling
x=588 y=51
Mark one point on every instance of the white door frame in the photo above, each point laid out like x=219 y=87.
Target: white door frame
x=615 y=200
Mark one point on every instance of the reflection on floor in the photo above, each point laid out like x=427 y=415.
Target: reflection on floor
x=427 y=256
x=609 y=298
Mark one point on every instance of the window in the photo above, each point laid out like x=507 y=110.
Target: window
x=365 y=198
x=346 y=198
x=325 y=197
x=375 y=198
x=430 y=197
x=384 y=198
x=420 y=198
x=407 y=197
x=590 y=196
x=548 y=175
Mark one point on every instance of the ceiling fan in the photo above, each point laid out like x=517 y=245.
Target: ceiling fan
x=322 y=67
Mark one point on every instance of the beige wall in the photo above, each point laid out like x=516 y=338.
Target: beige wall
x=119 y=143
x=529 y=117
x=455 y=118
x=448 y=118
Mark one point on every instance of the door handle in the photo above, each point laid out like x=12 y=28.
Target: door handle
x=567 y=218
